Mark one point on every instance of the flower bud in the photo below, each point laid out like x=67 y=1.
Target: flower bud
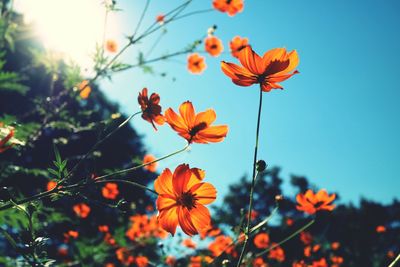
x=261 y=165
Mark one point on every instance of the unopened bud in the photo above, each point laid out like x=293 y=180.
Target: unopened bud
x=261 y=165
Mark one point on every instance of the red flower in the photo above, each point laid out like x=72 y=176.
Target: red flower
x=380 y=229
x=142 y=261
x=277 y=254
x=110 y=191
x=3 y=141
x=51 y=185
x=151 y=108
x=81 y=210
x=170 y=261
x=188 y=242
x=275 y=66
x=181 y=199
x=229 y=6
x=311 y=203
x=213 y=46
x=160 y=18
x=261 y=240
x=196 y=128
x=103 y=228
x=196 y=64
x=238 y=44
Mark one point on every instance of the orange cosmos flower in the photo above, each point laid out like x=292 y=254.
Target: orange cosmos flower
x=221 y=243
x=142 y=261
x=320 y=263
x=289 y=222
x=170 y=261
x=188 y=242
x=70 y=234
x=275 y=66
x=311 y=203
x=380 y=229
x=4 y=140
x=160 y=18
x=103 y=228
x=210 y=231
x=259 y=262
x=229 y=6
x=196 y=128
x=151 y=110
x=110 y=191
x=335 y=245
x=306 y=238
x=111 y=46
x=261 y=240
x=151 y=167
x=51 y=185
x=213 y=46
x=237 y=44
x=109 y=239
x=277 y=254
x=181 y=199
x=195 y=261
x=81 y=210
x=196 y=64
x=85 y=89
x=123 y=255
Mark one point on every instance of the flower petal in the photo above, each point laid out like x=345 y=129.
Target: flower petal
x=251 y=61
x=180 y=178
x=205 y=193
x=200 y=217
x=163 y=183
x=185 y=221
x=168 y=219
x=207 y=117
x=187 y=112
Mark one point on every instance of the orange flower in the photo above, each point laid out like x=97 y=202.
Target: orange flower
x=3 y=141
x=196 y=64
x=277 y=254
x=151 y=110
x=237 y=44
x=337 y=260
x=275 y=66
x=311 y=203
x=170 y=261
x=51 y=185
x=309 y=249
x=81 y=210
x=142 y=261
x=390 y=254
x=151 y=167
x=209 y=232
x=221 y=244
x=306 y=238
x=196 y=128
x=160 y=18
x=213 y=46
x=144 y=227
x=181 y=199
x=109 y=239
x=320 y=263
x=110 y=191
x=195 y=261
x=123 y=255
x=103 y=228
x=289 y=222
x=229 y=6
x=261 y=240
x=85 y=89
x=380 y=229
x=111 y=46
x=70 y=234
x=259 y=262
x=188 y=242
x=335 y=245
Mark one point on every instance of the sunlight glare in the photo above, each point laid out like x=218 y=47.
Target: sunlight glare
x=71 y=27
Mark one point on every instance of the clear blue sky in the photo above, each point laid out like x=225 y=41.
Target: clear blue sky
x=337 y=122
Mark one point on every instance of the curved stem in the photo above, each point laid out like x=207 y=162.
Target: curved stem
x=129 y=183
x=393 y=264
x=97 y=180
x=142 y=165
x=287 y=238
x=253 y=181
x=194 y=13
x=141 y=18
x=98 y=144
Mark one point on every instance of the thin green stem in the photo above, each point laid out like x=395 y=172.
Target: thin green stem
x=141 y=18
x=83 y=183
x=194 y=13
x=253 y=182
x=251 y=233
x=396 y=260
x=287 y=238
x=141 y=165
x=129 y=183
x=99 y=143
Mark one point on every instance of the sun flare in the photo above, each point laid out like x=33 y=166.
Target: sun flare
x=70 y=27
